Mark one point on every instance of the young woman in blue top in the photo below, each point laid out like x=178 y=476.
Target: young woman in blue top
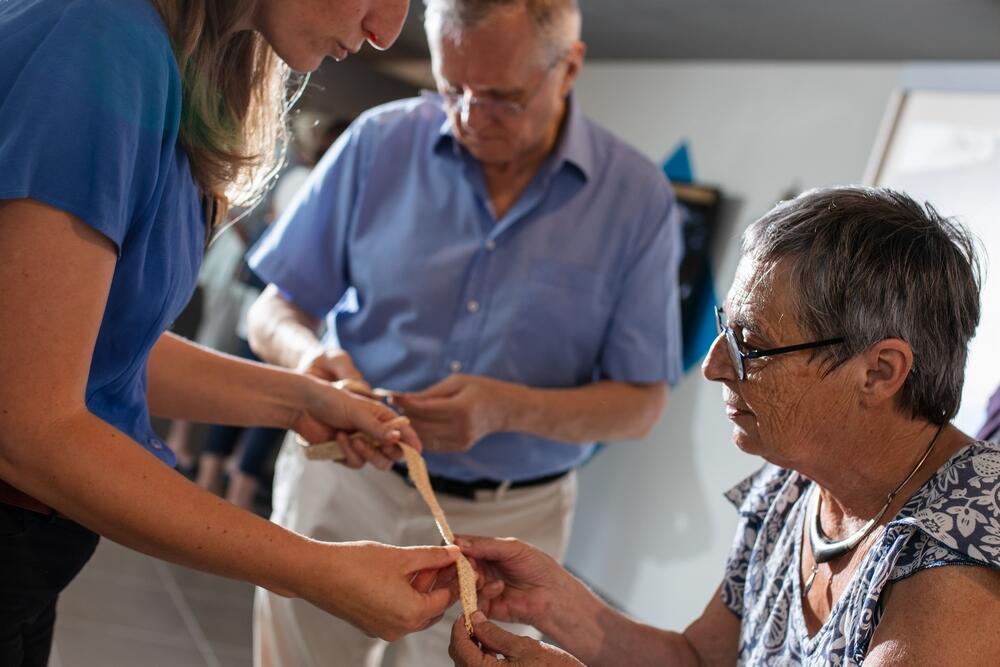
x=127 y=127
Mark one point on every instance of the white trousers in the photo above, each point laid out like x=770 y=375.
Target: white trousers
x=329 y=502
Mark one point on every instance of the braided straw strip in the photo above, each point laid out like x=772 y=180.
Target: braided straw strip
x=418 y=474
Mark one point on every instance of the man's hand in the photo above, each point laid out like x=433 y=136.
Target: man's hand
x=516 y=650
x=331 y=364
x=454 y=414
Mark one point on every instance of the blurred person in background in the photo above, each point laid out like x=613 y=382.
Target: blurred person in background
x=990 y=430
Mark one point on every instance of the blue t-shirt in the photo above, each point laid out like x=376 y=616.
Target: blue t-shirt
x=90 y=106
x=576 y=282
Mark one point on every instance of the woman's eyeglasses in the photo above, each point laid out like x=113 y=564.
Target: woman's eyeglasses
x=739 y=357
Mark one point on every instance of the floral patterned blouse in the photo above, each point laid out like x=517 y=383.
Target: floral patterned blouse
x=953 y=519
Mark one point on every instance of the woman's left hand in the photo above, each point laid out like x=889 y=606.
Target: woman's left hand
x=517 y=651
x=328 y=413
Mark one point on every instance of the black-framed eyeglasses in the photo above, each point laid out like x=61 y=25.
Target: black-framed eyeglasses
x=739 y=357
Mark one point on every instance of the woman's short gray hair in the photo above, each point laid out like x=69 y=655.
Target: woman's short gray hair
x=558 y=21
x=869 y=264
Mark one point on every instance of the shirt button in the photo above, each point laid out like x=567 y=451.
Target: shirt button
x=491 y=245
x=472 y=306
x=455 y=366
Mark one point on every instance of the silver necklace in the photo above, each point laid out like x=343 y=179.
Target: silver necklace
x=823 y=548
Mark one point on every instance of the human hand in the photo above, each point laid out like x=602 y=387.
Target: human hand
x=517 y=651
x=385 y=591
x=454 y=414
x=331 y=364
x=519 y=583
x=359 y=425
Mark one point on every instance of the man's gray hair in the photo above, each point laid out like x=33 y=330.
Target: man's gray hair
x=558 y=21
x=869 y=264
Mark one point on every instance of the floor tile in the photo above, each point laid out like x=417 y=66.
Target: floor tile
x=224 y=620
x=95 y=647
x=195 y=583
x=113 y=558
x=146 y=609
x=231 y=657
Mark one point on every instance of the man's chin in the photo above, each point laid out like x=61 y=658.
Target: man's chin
x=489 y=150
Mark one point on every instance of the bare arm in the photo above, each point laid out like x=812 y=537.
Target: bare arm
x=603 y=410
x=943 y=616
x=281 y=332
x=525 y=585
x=53 y=448
x=462 y=409
x=601 y=637
x=229 y=390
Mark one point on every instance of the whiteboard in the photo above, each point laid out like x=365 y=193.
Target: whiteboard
x=944 y=147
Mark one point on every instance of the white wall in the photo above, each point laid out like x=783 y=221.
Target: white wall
x=652 y=528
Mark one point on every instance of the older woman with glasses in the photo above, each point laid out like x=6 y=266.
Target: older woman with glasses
x=841 y=352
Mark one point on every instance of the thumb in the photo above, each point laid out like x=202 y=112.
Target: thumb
x=371 y=417
x=497 y=640
x=429 y=558
x=446 y=387
x=437 y=601
x=343 y=366
x=355 y=386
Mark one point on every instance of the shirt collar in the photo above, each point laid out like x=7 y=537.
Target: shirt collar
x=574 y=146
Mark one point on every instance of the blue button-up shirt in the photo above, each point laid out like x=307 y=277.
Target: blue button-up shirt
x=576 y=282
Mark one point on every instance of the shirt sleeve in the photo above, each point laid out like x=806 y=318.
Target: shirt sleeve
x=753 y=497
x=304 y=253
x=643 y=343
x=83 y=124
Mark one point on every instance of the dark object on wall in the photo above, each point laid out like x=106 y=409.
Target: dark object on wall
x=700 y=206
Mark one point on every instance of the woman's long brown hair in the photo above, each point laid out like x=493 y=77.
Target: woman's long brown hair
x=235 y=97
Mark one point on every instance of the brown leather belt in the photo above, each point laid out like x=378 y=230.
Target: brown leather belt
x=13 y=496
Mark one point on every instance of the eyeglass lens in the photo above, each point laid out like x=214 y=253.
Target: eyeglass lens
x=734 y=349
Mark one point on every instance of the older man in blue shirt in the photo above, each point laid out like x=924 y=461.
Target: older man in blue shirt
x=504 y=265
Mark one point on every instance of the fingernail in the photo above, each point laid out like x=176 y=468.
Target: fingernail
x=478 y=616
x=462 y=542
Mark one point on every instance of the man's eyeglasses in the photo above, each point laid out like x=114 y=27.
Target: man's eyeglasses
x=498 y=109
x=739 y=357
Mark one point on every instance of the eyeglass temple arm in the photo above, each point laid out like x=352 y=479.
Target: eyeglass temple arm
x=756 y=354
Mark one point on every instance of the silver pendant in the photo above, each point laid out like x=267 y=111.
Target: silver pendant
x=809 y=581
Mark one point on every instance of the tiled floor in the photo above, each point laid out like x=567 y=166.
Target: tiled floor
x=128 y=609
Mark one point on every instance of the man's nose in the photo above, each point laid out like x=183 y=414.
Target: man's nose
x=474 y=114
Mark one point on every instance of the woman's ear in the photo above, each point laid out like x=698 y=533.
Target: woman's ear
x=886 y=365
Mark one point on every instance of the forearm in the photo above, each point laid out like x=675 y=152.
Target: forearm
x=94 y=474
x=599 y=636
x=280 y=333
x=603 y=410
x=226 y=389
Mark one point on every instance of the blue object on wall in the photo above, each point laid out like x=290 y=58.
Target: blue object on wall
x=678 y=165
x=697 y=287
x=700 y=330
